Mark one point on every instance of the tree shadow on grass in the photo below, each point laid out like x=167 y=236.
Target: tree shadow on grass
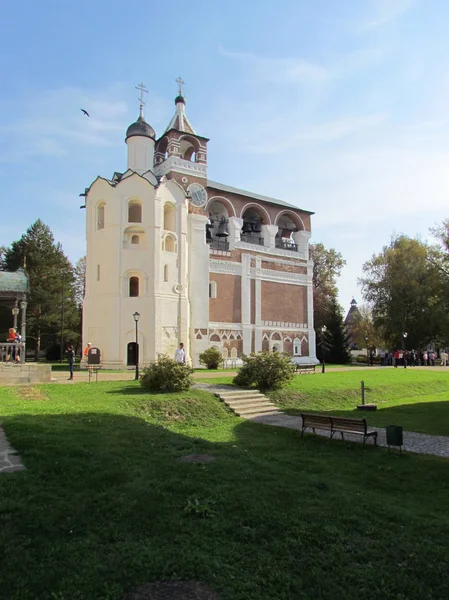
x=101 y=506
x=421 y=417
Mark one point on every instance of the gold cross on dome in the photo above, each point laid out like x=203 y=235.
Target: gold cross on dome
x=180 y=83
x=143 y=91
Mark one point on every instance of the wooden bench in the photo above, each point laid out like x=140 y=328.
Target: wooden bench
x=339 y=425
x=305 y=368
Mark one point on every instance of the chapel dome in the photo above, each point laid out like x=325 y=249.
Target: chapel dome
x=140 y=128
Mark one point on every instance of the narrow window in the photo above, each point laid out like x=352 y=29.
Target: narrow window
x=135 y=239
x=297 y=347
x=165 y=272
x=100 y=217
x=134 y=287
x=233 y=352
x=98 y=272
x=135 y=212
x=169 y=217
x=213 y=289
x=170 y=244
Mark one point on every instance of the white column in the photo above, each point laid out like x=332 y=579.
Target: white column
x=258 y=306
x=246 y=303
x=301 y=238
x=269 y=235
x=235 y=229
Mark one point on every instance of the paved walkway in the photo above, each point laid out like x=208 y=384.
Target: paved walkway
x=420 y=443
x=9 y=459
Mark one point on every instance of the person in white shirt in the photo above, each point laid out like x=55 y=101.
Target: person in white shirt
x=443 y=356
x=180 y=355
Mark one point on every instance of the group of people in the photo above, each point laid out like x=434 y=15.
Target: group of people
x=411 y=358
x=14 y=337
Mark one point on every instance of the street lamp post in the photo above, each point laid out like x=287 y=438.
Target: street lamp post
x=404 y=339
x=323 y=348
x=136 y=316
x=15 y=311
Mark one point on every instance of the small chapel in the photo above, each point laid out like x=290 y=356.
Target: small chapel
x=173 y=256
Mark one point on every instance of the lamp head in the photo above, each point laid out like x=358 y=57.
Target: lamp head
x=136 y=316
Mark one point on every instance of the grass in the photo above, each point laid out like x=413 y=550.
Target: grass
x=416 y=399
x=101 y=507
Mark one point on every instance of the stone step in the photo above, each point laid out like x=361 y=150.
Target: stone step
x=226 y=393
x=258 y=412
x=237 y=398
x=250 y=405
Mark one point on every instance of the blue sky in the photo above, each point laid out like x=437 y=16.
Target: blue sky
x=337 y=107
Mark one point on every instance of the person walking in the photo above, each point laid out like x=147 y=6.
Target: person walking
x=180 y=355
x=71 y=358
x=443 y=356
x=432 y=359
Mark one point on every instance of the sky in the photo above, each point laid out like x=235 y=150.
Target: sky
x=340 y=108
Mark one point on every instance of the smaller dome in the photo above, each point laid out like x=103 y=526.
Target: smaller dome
x=180 y=98
x=140 y=128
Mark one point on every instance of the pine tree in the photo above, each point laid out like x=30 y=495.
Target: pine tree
x=51 y=304
x=336 y=337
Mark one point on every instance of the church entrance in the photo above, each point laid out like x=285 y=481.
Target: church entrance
x=132 y=354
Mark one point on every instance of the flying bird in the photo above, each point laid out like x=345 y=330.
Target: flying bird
x=85 y=112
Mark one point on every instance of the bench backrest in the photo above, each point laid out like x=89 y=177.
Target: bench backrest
x=345 y=424
x=311 y=420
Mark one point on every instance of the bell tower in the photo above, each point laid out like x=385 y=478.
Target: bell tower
x=180 y=153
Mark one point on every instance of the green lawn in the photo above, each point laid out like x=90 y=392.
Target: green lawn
x=416 y=399
x=101 y=506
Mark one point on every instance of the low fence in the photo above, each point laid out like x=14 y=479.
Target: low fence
x=12 y=352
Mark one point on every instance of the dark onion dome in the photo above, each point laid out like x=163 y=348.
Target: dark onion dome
x=141 y=128
x=180 y=98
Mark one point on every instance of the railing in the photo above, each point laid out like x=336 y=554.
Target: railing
x=219 y=244
x=251 y=238
x=286 y=244
x=12 y=352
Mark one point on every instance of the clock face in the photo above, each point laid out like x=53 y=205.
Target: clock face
x=198 y=195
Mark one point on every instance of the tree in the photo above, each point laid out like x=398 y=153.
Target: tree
x=51 y=303
x=335 y=339
x=327 y=266
x=364 y=331
x=79 y=273
x=407 y=291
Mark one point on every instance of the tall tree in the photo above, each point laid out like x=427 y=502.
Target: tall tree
x=79 y=273
x=364 y=331
x=335 y=340
x=51 y=305
x=406 y=291
x=327 y=266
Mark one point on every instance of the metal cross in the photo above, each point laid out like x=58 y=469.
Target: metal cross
x=143 y=91
x=180 y=83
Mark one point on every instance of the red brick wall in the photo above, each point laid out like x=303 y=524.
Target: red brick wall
x=283 y=302
x=226 y=307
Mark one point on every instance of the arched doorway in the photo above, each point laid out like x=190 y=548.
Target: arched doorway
x=132 y=354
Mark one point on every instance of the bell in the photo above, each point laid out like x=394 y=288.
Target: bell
x=222 y=230
x=246 y=227
x=257 y=227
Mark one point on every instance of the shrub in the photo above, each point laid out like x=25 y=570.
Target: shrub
x=211 y=358
x=166 y=375
x=267 y=370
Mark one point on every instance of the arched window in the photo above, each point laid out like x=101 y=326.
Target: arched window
x=165 y=272
x=100 y=216
x=233 y=352
x=170 y=244
x=224 y=353
x=135 y=212
x=212 y=289
x=169 y=217
x=133 y=287
x=297 y=347
x=135 y=239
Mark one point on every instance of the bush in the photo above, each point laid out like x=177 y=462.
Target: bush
x=267 y=370
x=211 y=358
x=166 y=375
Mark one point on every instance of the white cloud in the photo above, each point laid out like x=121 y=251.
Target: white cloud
x=279 y=70
x=383 y=12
